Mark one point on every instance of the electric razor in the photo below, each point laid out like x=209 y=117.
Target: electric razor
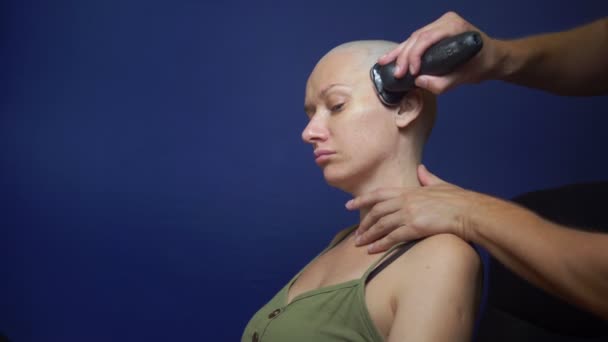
x=440 y=59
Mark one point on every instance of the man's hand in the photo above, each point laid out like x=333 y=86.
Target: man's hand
x=409 y=54
x=405 y=214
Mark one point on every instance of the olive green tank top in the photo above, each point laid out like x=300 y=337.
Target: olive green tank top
x=331 y=313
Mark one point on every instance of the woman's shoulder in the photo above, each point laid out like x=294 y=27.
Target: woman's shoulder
x=438 y=277
x=442 y=256
x=447 y=248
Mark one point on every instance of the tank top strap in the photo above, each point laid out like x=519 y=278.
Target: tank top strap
x=387 y=258
x=341 y=236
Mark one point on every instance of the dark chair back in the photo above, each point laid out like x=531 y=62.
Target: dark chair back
x=518 y=311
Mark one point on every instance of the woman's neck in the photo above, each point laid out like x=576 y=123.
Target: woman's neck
x=396 y=177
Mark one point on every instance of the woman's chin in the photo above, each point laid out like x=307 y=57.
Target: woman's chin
x=338 y=178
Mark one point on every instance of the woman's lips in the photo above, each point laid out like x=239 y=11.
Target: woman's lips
x=322 y=156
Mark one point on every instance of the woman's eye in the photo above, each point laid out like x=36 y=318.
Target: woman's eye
x=337 y=107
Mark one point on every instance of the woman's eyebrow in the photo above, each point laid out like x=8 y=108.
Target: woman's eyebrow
x=310 y=108
x=328 y=88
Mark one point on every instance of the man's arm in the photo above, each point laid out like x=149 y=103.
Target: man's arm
x=437 y=299
x=569 y=263
x=566 y=63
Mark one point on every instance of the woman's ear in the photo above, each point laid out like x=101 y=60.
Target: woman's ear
x=409 y=108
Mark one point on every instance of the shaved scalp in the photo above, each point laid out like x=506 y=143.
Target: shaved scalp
x=367 y=50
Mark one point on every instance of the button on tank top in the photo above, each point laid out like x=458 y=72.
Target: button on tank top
x=331 y=313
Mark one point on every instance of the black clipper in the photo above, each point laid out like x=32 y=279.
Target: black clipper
x=440 y=59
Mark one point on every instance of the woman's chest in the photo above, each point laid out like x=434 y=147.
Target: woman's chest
x=337 y=266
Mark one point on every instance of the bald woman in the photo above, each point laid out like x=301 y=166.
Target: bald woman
x=425 y=290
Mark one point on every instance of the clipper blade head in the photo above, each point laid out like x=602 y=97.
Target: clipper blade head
x=389 y=98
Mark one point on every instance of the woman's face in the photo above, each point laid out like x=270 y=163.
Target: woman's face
x=351 y=132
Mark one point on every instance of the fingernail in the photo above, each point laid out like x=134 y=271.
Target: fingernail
x=358 y=240
x=422 y=82
x=397 y=70
x=349 y=204
x=412 y=69
x=370 y=248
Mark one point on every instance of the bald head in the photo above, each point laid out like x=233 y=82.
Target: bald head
x=369 y=144
x=352 y=62
x=366 y=52
x=353 y=59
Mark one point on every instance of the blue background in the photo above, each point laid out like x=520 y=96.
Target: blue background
x=153 y=184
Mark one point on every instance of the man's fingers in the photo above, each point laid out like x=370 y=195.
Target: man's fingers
x=425 y=40
x=391 y=55
x=382 y=225
x=378 y=212
x=435 y=84
x=371 y=198
x=402 y=59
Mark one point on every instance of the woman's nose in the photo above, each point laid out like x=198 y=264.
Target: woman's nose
x=315 y=131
